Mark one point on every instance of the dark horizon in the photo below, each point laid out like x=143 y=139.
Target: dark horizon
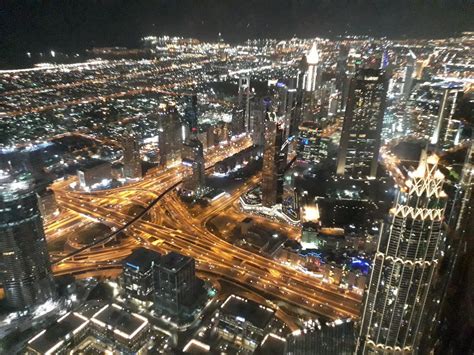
x=70 y=25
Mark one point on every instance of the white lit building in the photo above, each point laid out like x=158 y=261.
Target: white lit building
x=394 y=312
x=312 y=73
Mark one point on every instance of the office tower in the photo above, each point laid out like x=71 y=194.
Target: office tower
x=191 y=112
x=132 y=164
x=312 y=74
x=244 y=101
x=258 y=113
x=341 y=67
x=293 y=106
x=281 y=98
x=274 y=160
x=408 y=78
x=408 y=252
x=25 y=269
x=455 y=327
x=192 y=156
x=170 y=136
x=238 y=121
x=138 y=271
x=447 y=128
x=312 y=145
x=360 y=138
x=175 y=283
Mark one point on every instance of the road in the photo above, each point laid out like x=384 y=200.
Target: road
x=188 y=235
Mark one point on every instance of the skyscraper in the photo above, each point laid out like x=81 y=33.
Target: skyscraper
x=138 y=272
x=312 y=74
x=447 y=128
x=360 y=138
x=170 y=134
x=312 y=146
x=394 y=311
x=132 y=164
x=409 y=71
x=244 y=101
x=274 y=160
x=175 y=283
x=193 y=156
x=191 y=112
x=25 y=269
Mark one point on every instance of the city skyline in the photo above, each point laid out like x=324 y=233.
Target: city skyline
x=263 y=196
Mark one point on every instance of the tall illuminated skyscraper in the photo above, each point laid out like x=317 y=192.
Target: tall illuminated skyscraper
x=395 y=307
x=132 y=164
x=244 y=101
x=274 y=160
x=312 y=74
x=447 y=128
x=312 y=146
x=170 y=135
x=192 y=155
x=360 y=138
x=25 y=269
x=409 y=71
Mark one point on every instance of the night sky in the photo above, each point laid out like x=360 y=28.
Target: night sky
x=72 y=25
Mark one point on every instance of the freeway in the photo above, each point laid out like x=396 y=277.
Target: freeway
x=190 y=237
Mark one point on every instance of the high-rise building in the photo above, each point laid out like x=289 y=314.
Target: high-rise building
x=238 y=121
x=312 y=74
x=447 y=128
x=138 y=271
x=341 y=67
x=312 y=146
x=361 y=132
x=192 y=155
x=274 y=160
x=395 y=312
x=453 y=333
x=409 y=71
x=244 y=101
x=191 y=112
x=170 y=136
x=175 y=284
x=25 y=269
x=132 y=164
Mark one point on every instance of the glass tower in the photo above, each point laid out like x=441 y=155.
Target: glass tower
x=394 y=311
x=360 y=138
x=25 y=269
x=274 y=161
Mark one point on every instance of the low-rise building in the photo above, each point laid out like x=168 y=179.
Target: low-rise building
x=243 y=322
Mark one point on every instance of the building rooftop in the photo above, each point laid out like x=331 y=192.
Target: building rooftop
x=125 y=324
x=247 y=310
x=272 y=344
x=50 y=339
x=174 y=261
x=196 y=347
x=141 y=259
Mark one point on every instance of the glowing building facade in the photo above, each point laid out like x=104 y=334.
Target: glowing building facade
x=394 y=311
x=312 y=74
